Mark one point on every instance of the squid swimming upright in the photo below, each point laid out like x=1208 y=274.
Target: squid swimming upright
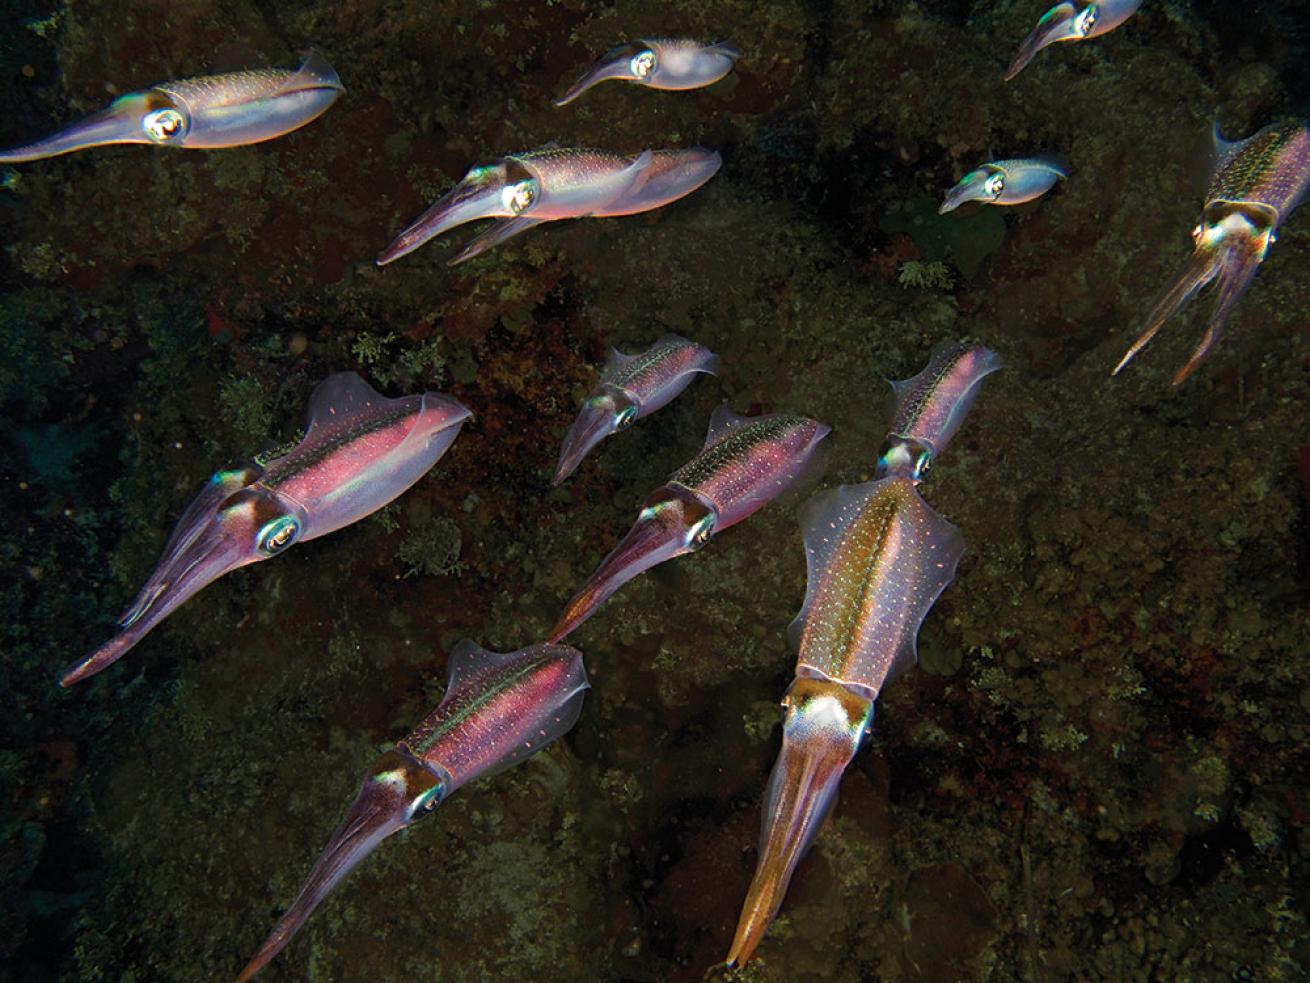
x=878 y=557
x=360 y=451
x=746 y=463
x=1077 y=21
x=497 y=710
x=202 y=113
x=523 y=190
x=1257 y=183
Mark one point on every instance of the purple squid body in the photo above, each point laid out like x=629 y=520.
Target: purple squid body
x=202 y=113
x=1007 y=182
x=663 y=63
x=1072 y=22
x=1256 y=185
x=498 y=710
x=524 y=190
x=878 y=559
x=931 y=406
x=632 y=386
x=746 y=463
x=361 y=450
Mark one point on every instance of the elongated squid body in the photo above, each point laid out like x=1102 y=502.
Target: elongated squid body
x=360 y=451
x=1256 y=185
x=523 y=190
x=877 y=558
x=202 y=113
x=674 y=64
x=931 y=406
x=745 y=464
x=497 y=710
x=1072 y=22
x=633 y=386
x=1007 y=182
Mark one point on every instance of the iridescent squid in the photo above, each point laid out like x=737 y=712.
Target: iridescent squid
x=878 y=558
x=633 y=386
x=360 y=451
x=202 y=113
x=1256 y=185
x=1007 y=182
x=674 y=64
x=524 y=190
x=1072 y=22
x=746 y=463
x=497 y=710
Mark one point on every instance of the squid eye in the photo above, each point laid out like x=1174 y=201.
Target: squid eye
x=428 y=801
x=278 y=535
x=923 y=465
x=519 y=197
x=1085 y=21
x=995 y=184
x=642 y=64
x=626 y=417
x=164 y=125
x=699 y=534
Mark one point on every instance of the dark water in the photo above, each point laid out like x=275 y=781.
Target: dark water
x=1097 y=772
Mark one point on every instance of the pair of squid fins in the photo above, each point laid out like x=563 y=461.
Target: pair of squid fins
x=1257 y=183
x=360 y=451
x=878 y=557
x=204 y=113
x=1079 y=21
x=497 y=710
x=523 y=190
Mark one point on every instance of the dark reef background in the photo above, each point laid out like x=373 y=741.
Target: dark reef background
x=1097 y=773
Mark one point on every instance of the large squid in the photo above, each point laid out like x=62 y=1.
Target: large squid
x=1256 y=185
x=497 y=710
x=633 y=386
x=745 y=464
x=878 y=558
x=524 y=190
x=360 y=451
x=1072 y=22
x=202 y=113
x=673 y=64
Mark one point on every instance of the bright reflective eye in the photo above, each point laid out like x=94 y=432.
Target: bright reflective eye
x=995 y=185
x=923 y=464
x=164 y=125
x=1085 y=21
x=700 y=533
x=643 y=64
x=625 y=418
x=278 y=534
x=518 y=197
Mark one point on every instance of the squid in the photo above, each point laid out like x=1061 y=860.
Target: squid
x=668 y=63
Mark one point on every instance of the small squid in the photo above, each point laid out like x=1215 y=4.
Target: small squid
x=633 y=386
x=878 y=557
x=746 y=463
x=202 y=113
x=1072 y=22
x=1007 y=182
x=497 y=710
x=1256 y=185
x=360 y=451
x=524 y=190
x=666 y=63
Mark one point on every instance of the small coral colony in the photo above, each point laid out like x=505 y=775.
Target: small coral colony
x=878 y=555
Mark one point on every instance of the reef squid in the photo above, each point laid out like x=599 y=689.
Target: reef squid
x=1257 y=183
x=1072 y=22
x=745 y=464
x=202 y=113
x=1007 y=182
x=878 y=557
x=523 y=190
x=632 y=386
x=497 y=710
x=673 y=64
x=360 y=451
